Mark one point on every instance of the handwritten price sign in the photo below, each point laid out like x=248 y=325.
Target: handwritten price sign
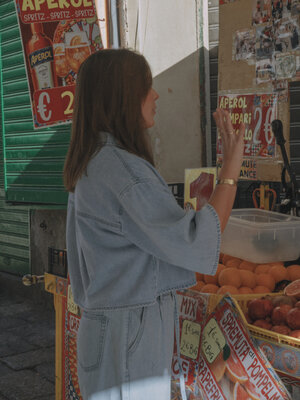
x=213 y=340
x=54 y=105
x=190 y=339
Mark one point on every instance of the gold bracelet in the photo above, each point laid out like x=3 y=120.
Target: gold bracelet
x=228 y=181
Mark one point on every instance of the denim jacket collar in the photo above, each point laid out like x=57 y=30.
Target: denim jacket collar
x=107 y=138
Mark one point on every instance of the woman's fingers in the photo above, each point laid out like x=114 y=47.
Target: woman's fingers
x=241 y=130
x=223 y=121
x=228 y=124
x=224 y=124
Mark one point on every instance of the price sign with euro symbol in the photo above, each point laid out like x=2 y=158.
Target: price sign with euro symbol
x=46 y=109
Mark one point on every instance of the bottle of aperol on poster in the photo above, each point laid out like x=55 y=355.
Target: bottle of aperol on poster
x=41 y=59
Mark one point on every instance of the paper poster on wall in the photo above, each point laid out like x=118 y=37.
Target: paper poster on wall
x=261 y=11
x=297 y=58
x=265 y=70
x=281 y=8
x=221 y=2
x=244 y=45
x=199 y=184
x=264 y=42
x=281 y=88
x=286 y=34
x=57 y=37
x=285 y=66
x=248 y=169
x=256 y=111
x=295 y=7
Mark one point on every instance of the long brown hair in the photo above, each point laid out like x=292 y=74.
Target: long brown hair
x=110 y=88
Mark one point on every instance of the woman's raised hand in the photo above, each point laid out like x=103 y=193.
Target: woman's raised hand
x=232 y=144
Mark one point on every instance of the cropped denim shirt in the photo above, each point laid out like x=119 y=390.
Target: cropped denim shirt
x=128 y=240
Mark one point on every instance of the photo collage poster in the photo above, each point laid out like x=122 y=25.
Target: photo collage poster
x=272 y=44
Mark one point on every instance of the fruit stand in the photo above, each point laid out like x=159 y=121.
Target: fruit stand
x=264 y=285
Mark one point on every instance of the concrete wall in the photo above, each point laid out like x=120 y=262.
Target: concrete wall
x=167 y=33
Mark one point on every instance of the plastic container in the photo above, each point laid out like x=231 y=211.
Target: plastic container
x=261 y=236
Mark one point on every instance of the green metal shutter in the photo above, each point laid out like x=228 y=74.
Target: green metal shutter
x=14 y=229
x=33 y=159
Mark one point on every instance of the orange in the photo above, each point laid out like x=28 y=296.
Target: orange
x=266 y=280
x=199 y=285
x=233 y=262
x=277 y=263
x=199 y=277
x=262 y=268
x=230 y=276
x=214 y=278
x=247 y=265
x=209 y=288
x=218 y=367
x=261 y=289
x=239 y=393
x=219 y=269
x=225 y=258
x=211 y=279
x=245 y=290
x=235 y=370
x=228 y=289
x=279 y=273
x=293 y=272
x=221 y=258
x=248 y=278
x=293 y=289
x=251 y=390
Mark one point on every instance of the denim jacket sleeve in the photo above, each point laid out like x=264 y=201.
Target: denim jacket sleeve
x=152 y=219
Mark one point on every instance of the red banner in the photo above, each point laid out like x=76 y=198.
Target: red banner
x=256 y=111
x=57 y=36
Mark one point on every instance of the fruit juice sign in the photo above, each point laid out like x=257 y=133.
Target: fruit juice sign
x=230 y=366
x=256 y=111
x=57 y=36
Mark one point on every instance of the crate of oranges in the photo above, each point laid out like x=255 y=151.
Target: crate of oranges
x=241 y=277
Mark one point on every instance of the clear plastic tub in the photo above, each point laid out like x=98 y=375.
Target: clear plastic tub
x=261 y=236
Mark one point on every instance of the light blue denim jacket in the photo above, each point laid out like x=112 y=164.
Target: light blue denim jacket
x=128 y=241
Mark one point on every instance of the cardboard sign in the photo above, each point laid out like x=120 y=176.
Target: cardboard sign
x=192 y=308
x=256 y=111
x=230 y=365
x=57 y=36
x=198 y=187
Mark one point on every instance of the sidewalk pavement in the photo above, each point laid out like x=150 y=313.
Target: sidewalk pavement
x=27 y=349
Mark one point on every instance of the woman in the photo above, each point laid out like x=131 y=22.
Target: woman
x=130 y=246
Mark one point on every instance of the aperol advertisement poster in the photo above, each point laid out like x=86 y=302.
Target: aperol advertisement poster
x=57 y=36
x=256 y=111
